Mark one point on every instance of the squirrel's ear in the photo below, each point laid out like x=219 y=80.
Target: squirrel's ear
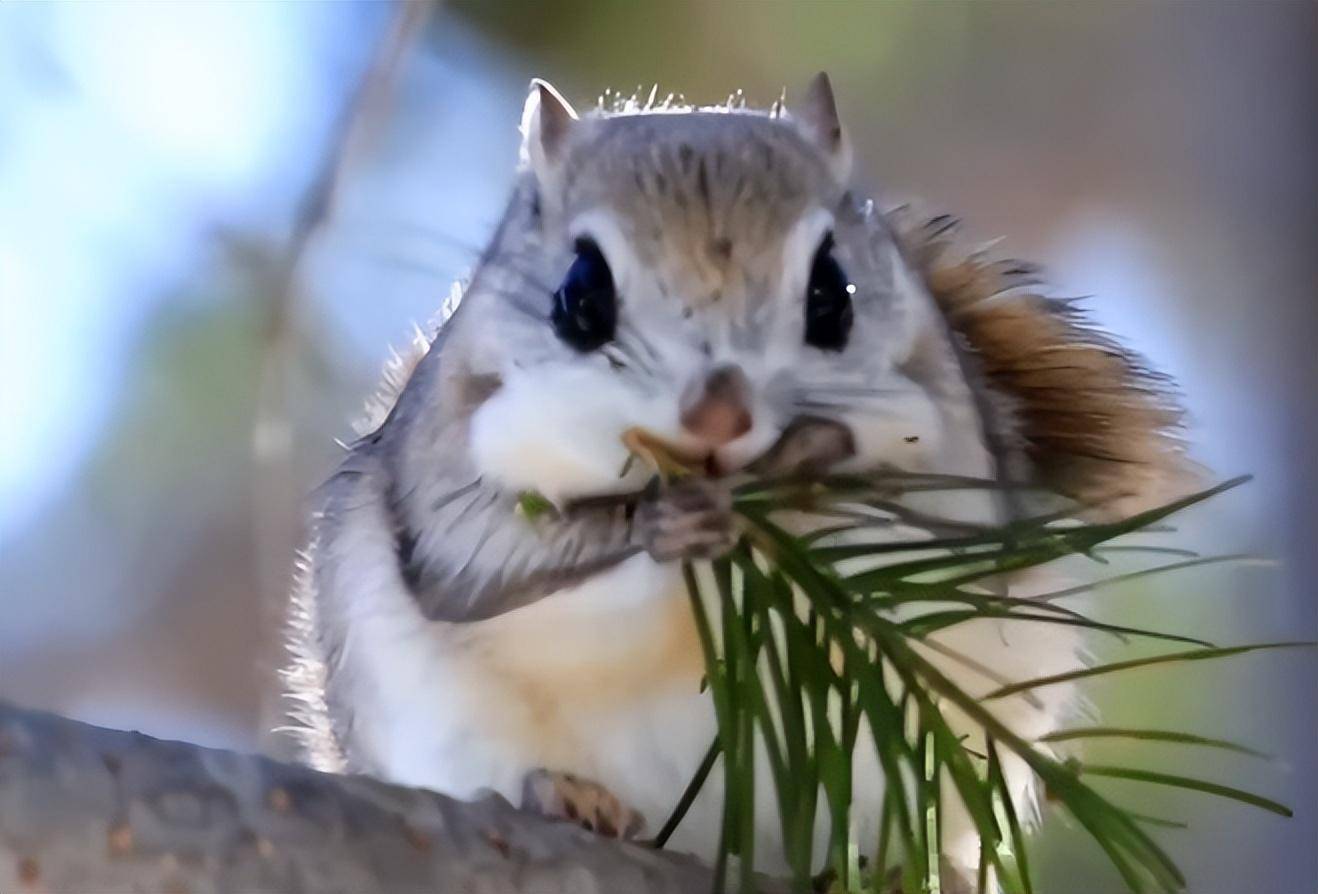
x=819 y=119
x=546 y=120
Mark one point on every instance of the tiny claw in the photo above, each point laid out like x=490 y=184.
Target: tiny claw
x=692 y=519
x=566 y=797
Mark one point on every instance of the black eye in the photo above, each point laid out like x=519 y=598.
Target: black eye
x=828 y=313
x=586 y=306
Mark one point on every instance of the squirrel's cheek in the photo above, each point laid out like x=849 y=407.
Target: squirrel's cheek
x=907 y=433
x=559 y=432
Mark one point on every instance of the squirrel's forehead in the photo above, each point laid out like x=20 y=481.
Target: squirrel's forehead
x=723 y=174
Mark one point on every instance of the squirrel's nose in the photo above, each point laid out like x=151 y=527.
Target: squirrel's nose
x=716 y=407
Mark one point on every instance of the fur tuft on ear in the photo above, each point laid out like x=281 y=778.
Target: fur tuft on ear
x=822 y=126
x=1088 y=416
x=546 y=119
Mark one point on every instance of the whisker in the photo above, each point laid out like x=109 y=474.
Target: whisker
x=819 y=405
x=624 y=347
x=503 y=262
x=850 y=390
x=646 y=344
x=390 y=234
x=517 y=301
x=409 y=264
x=444 y=499
x=421 y=264
x=877 y=405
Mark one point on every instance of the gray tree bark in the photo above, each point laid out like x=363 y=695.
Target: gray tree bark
x=85 y=809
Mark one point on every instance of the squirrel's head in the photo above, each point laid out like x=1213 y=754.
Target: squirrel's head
x=706 y=274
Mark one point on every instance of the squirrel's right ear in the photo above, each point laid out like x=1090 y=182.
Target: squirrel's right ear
x=546 y=120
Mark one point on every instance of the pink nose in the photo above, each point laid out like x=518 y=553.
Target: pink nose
x=716 y=409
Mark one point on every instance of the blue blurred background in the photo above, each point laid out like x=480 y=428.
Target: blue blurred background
x=172 y=385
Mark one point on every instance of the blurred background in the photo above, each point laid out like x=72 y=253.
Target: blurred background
x=215 y=219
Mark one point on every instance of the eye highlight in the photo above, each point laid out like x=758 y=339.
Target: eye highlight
x=828 y=313
x=585 y=311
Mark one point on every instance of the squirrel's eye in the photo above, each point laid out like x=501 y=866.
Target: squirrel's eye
x=828 y=312
x=586 y=306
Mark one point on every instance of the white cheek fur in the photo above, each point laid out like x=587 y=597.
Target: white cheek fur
x=557 y=429
x=906 y=433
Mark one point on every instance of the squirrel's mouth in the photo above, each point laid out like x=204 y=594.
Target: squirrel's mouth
x=808 y=445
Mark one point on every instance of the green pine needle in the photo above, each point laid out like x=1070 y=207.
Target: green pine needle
x=1113 y=667
x=801 y=657
x=1185 y=782
x=1152 y=735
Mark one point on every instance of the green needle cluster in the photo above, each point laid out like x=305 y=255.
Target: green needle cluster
x=800 y=656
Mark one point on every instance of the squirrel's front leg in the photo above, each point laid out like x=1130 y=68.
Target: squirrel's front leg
x=691 y=519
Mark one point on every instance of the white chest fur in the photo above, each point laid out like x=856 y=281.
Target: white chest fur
x=603 y=680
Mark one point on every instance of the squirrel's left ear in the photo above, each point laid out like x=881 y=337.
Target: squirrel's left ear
x=546 y=120
x=820 y=122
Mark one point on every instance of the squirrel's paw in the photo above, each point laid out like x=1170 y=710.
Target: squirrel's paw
x=588 y=804
x=692 y=519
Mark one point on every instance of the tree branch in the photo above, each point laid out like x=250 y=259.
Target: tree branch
x=85 y=809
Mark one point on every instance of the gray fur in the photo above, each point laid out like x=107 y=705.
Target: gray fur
x=703 y=199
x=700 y=186
x=463 y=548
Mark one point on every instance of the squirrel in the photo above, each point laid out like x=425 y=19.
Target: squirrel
x=712 y=275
